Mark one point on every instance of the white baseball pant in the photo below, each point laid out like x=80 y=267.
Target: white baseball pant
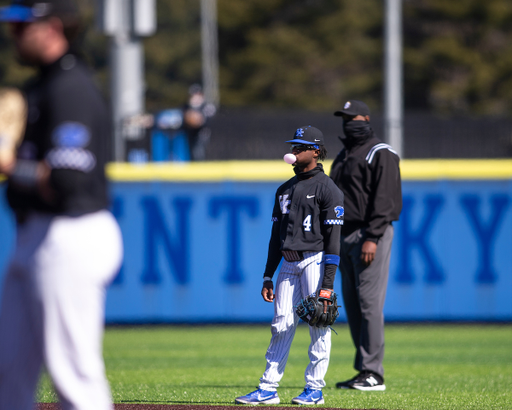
x=295 y=281
x=52 y=310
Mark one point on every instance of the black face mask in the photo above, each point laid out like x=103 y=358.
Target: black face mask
x=356 y=132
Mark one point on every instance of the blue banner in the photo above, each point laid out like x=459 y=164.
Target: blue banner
x=196 y=251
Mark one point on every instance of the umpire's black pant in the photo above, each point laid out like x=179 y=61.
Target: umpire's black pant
x=364 y=292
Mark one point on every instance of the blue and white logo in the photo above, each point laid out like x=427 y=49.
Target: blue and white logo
x=339 y=211
x=299 y=133
x=71 y=134
x=284 y=203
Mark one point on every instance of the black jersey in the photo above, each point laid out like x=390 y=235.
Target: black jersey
x=369 y=176
x=308 y=215
x=67 y=126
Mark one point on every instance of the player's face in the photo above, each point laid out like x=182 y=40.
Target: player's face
x=306 y=156
x=29 y=39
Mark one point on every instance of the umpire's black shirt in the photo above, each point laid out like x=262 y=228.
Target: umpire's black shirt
x=369 y=176
x=67 y=126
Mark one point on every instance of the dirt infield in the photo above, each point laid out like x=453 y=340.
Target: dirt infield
x=138 y=406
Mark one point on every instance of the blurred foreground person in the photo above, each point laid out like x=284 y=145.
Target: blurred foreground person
x=68 y=245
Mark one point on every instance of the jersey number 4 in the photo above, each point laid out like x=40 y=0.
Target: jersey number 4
x=307 y=223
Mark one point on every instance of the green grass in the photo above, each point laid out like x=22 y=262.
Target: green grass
x=427 y=366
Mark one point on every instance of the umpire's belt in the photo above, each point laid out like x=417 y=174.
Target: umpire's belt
x=293 y=256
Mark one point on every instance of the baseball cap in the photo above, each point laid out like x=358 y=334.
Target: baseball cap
x=353 y=107
x=33 y=10
x=308 y=135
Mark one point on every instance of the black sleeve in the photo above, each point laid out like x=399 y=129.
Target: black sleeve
x=331 y=215
x=386 y=193
x=274 y=246
x=329 y=275
x=332 y=248
x=274 y=252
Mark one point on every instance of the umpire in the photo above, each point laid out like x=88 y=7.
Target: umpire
x=367 y=171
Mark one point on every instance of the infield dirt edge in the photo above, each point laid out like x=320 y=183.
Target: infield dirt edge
x=140 y=406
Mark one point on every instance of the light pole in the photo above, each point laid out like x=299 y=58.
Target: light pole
x=210 y=51
x=126 y=22
x=393 y=83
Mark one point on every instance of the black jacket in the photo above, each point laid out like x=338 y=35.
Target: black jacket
x=308 y=215
x=68 y=126
x=369 y=176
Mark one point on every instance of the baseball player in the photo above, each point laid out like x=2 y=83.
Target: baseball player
x=307 y=219
x=68 y=246
x=368 y=172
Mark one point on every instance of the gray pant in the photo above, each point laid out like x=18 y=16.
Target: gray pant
x=364 y=292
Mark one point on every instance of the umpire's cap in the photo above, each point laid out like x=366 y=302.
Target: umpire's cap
x=308 y=135
x=353 y=108
x=33 y=10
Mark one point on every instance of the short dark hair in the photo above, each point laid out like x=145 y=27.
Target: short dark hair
x=322 y=153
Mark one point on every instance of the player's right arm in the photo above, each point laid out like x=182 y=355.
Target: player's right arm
x=273 y=260
x=274 y=254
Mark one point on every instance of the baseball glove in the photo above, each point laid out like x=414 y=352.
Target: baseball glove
x=311 y=309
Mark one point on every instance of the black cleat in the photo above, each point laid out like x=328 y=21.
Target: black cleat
x=368 y=381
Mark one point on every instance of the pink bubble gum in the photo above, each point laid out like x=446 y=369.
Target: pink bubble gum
x=290 y=158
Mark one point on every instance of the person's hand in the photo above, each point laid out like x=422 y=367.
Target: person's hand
x=7 y=165
x=268 y=291
x=368 y=252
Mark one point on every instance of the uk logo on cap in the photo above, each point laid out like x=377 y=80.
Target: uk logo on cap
x=347 y=105
x=299 y=132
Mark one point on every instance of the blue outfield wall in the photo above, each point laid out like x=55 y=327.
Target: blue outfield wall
x=196 y=250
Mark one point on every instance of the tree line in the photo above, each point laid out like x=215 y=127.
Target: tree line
x=315 y=54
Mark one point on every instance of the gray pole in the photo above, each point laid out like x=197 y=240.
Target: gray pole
x=210 y=47
x=125 y=21
x=127 y=74
x=393 y=95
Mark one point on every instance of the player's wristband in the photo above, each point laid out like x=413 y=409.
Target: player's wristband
x=332 y=259
x=267 y=279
